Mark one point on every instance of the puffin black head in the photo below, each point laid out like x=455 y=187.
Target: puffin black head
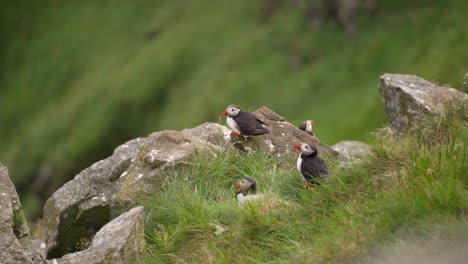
x=231 y=110
x=306 y=149
x=247 y=184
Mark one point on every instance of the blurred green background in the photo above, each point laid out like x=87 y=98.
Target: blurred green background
x=78 y=78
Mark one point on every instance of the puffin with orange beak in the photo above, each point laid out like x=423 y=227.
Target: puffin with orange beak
x=247 y=190
x=310 y=165
x=243 y=123
x=307 y=127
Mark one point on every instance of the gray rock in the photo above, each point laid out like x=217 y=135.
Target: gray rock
x=165 y=151
x=213 y=133
x=77 y=210
x=40 y=246
x=15 y=240
x=282 y=137
x=120 y=241
x=352 y=150
x=407 y=98
x=96 y=195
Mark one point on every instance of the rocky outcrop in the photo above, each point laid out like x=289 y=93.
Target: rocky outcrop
x=165 y=151
x=120 y=241
x=213 y=133
x=15 y=240
x=282 y=137
x=352 y=150
x=77 y=210
x=407 y=98
x=82 y=206
x=96 y=195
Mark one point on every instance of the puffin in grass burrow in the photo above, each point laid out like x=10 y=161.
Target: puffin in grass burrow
x=310 y=165
x=307 y=127
x=244 y=123
x=247 y=190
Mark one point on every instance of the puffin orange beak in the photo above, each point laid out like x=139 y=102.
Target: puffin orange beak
x=224 y=113
x=237 y=186
x=297 y=145
x=311 y=121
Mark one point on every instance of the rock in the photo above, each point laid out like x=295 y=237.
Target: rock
x=40 y=247
x=165 y=151
x=407 y=98
x=15 y=240
x=352 y=150
x=120 y=241
x=77 y=210
x=213 y=133
x=282 y=137
x=96 y=195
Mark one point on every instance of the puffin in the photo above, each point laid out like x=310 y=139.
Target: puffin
x=244 y=123
x=247 y=190
x=307 y=127
x=310 y=165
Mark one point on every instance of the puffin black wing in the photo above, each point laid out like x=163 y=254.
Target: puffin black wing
x=303 y=126
x=249 y=124
x=260 y=121
x=313 y=168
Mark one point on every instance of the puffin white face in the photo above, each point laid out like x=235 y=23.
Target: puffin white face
x=305 y=148
x=231 y=111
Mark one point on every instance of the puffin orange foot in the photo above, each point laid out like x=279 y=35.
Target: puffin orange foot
x=308 y=187
x=235 y=133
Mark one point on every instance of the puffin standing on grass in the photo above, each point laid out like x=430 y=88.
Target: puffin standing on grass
x=243 y=123
x=307 y=127
x=309 y=165
x=247 y=190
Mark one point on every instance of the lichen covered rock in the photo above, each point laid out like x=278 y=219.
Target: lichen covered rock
x=352 y=150
x=407 y=98
x=165 y=151
x=77 y=210
x=120 y=241
x=213 y=133
x=15 y=240
x=282 y=137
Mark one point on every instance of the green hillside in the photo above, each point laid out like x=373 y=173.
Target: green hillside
x=80 y=77
x=413 y=188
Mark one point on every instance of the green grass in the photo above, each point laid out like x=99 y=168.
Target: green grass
x=413 y=186
x=81 y=77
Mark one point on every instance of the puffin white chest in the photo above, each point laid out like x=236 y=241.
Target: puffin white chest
x=233 y=125
x=308 y=127
x=241 y=198
x=299 y=163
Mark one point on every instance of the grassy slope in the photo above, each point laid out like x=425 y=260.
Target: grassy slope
x=413 y=187
x=80 y=77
